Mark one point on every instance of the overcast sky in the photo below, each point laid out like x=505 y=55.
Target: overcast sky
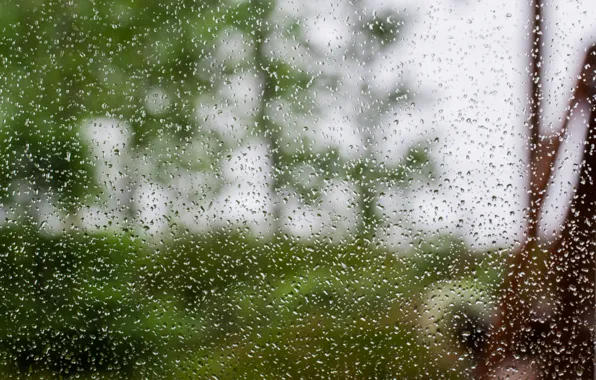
x=469 y=61
x=466 y=65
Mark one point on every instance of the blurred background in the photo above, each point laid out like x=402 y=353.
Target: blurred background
x=268 y=189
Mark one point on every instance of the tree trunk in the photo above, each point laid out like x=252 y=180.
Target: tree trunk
x=560 y=343
x=510 y=334
x=570 y=342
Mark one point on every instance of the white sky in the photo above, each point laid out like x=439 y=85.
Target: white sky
x=469 y=63
x=466 y=62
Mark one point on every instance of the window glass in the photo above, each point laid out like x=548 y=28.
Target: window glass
x=246 y=189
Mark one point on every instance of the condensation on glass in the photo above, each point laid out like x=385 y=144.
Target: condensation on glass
x=280 y=189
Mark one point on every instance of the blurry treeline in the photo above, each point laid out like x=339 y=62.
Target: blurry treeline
x=104 y=106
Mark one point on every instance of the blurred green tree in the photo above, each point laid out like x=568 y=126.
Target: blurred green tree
x=124 y=303
x=64 y=63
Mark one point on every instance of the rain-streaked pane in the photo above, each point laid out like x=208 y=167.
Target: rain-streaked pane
x=277 y=189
